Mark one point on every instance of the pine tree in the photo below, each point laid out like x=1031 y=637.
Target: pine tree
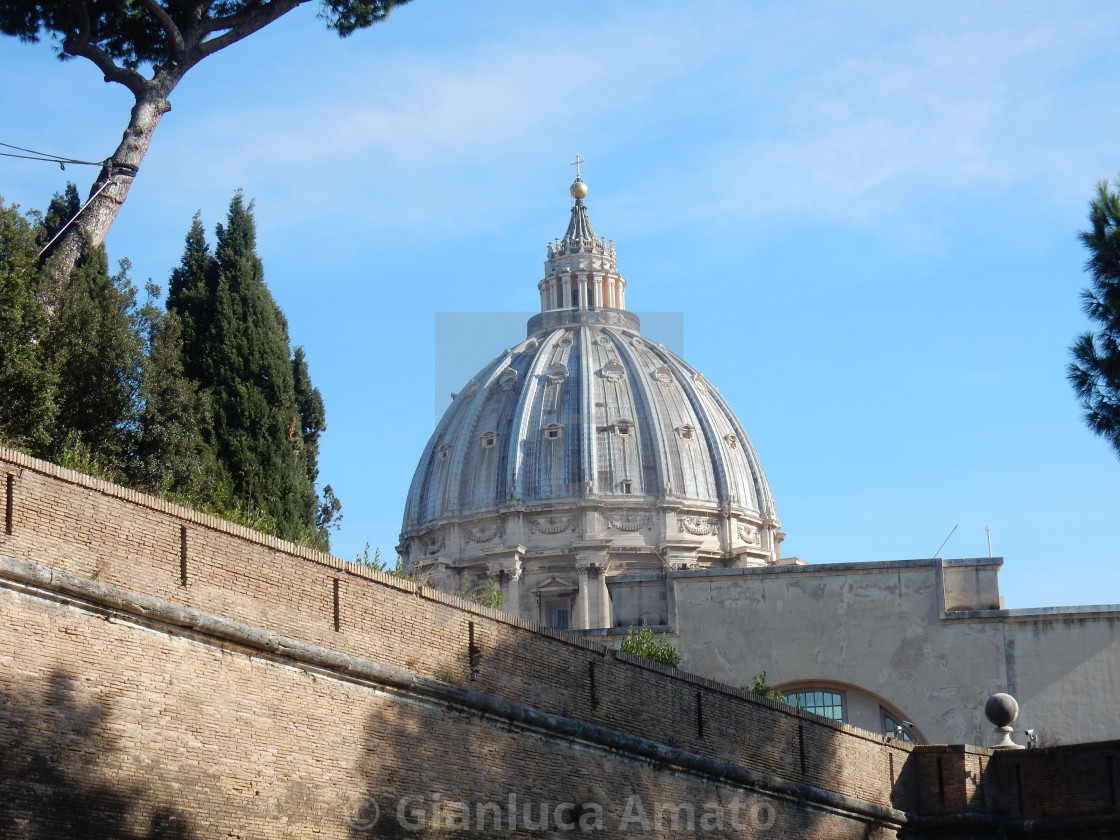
x=165 y=39
x=263 y=436
x=27 y=380
x=1095 y=370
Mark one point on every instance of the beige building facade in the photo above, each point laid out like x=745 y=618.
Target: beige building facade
x=876 y=644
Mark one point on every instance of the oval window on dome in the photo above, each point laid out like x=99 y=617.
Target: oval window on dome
x=732 y=441
x=663 y=374
x=508 y=378
x=558 y=372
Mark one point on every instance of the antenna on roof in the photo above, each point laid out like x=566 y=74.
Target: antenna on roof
x=945 y=540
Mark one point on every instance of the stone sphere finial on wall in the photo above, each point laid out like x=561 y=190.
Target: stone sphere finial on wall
x=1002 y=709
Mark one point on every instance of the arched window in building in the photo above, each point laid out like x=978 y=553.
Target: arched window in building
x=826 y=703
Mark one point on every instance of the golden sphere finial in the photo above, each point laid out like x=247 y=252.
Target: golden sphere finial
x=579 y=189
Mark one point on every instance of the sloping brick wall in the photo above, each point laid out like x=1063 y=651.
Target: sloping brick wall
x=114 y=537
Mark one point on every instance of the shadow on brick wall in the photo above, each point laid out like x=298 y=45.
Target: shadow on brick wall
x=56 y=773
x=437 y=770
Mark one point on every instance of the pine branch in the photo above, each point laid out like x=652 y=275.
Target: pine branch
x=131 y=79
x=174 y=36
x=244 y=24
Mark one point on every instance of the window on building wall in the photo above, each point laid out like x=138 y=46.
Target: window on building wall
x=557 y=612
x=627 y=486
x=893 y=727
x=829 y=704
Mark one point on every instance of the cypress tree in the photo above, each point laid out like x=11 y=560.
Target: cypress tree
x=27 y=380
x=191 y=294
x=235 y=345
x=168 y=453
x=313 y=421
x=312 y=413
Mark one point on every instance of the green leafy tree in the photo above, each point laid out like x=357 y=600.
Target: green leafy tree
x=262 y=433
x=27 y=379
x=1095 y=369
x=148 y=47
x=488 y=595
x=329 y=516
x=644 y=643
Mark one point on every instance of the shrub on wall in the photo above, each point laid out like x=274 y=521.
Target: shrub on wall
x=644 y=643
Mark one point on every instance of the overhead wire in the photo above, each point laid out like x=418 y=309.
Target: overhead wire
x=47 y=157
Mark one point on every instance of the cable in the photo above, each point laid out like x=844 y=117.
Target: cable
x=76 y=215
x=47 y=157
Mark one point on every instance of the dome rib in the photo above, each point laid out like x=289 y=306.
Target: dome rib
x=648 y=421
x=715 y=465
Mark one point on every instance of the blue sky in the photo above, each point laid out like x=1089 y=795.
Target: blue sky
x=865 y=212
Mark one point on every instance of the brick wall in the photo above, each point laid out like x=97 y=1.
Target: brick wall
x=219 y=735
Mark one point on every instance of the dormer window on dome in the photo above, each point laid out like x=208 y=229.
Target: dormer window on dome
x=623 y=427
x=553 y=430
x=488 y=438
x=613 y=370
x=686 y=432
